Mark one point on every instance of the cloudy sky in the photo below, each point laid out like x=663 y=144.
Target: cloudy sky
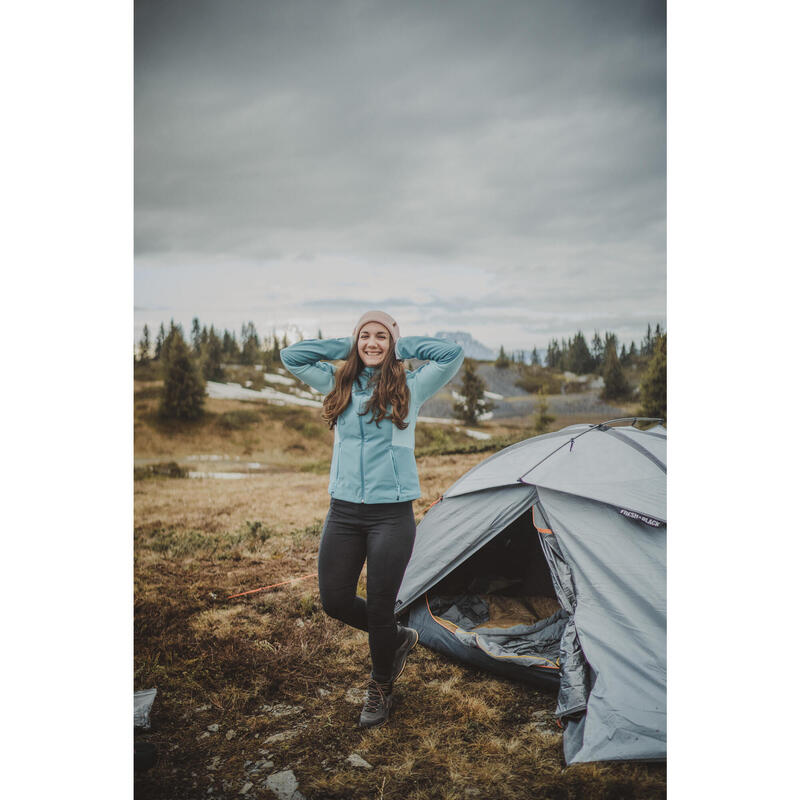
x=492 y=167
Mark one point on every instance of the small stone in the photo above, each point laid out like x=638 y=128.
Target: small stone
x=204 y=735
x=323 y=692
x=213 y=765
x=355 y=760
x=280 y=737
x=199 y=709
x=230 y=734
x=260 y=765
x=281 y=710
x=213 y=728
x=246 y=788
x=355 y=696
x=284 y=785
x=300 y=623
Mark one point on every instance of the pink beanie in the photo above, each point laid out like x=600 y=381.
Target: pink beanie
x=383 y=318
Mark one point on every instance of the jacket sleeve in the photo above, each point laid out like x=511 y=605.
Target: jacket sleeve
x=444 y=359
x=305 y=360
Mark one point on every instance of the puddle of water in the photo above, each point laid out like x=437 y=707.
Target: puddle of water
x=224 y=467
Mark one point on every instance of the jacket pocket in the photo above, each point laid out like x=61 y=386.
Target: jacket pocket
x=396 y=474
x=338 y=456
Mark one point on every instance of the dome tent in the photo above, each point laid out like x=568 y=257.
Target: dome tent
x=547 y=563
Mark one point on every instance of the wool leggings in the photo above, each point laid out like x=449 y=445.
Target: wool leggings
x=383 y=534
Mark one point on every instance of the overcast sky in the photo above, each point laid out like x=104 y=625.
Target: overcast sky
x=493 y=167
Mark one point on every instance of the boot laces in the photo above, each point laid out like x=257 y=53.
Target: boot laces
x=376 y=695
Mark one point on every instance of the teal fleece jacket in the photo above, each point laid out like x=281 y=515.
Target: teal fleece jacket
x=374 y=463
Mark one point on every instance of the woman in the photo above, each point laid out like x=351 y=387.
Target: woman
x=372 y=404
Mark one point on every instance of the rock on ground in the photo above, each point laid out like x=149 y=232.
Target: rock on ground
x=284 y=785
x=355 y=760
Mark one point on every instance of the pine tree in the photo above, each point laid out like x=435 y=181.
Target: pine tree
x=183 y=394
x=542 y=420
x=474 y=403
x=597 y=350
x=623 y=356
x=276 y=349
x=144 y=346
x=212 y=357
x=196 y=343
x=553 y=357
x=319 y=333
x=250 y=344
x=579 y=358
x=535 y=361
x=502 y=359
x=160 y=338
x=616 y=387
x=647 y=344
x=653 y=387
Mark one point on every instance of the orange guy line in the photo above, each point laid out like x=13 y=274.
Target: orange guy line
x=272 y=586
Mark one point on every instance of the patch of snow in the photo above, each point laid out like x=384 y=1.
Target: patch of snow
x=271 y=377
x=233 y=391
x=482 y=435
x=494 y=396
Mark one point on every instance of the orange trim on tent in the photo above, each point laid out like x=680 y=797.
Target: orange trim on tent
x=533 y=520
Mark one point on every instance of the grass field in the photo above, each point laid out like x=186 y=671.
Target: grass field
x=258 y=685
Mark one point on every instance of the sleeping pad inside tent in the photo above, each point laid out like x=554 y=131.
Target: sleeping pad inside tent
x=500 y=608
x=546 y=563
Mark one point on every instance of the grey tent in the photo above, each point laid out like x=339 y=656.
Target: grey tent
x=547 y=563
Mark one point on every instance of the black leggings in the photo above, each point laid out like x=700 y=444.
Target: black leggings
x=383 y=534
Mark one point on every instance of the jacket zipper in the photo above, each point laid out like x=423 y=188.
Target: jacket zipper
x=394 y=469
x=361 y=425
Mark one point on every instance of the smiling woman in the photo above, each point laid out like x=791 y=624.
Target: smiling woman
x=373 y=478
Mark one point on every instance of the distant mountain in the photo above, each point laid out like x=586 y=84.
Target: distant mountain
x=472 y=348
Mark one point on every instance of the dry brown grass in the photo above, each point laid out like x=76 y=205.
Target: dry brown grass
x=455 y=733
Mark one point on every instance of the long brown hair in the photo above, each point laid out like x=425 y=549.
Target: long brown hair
x=390 y=385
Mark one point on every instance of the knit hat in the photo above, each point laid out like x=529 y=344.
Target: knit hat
x=383 y=318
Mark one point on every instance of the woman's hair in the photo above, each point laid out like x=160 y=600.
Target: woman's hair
x=390 y=385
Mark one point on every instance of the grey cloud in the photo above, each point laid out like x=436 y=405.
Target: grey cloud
x=525 y=139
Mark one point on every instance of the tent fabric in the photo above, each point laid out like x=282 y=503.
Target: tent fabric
x=618 y=568
x=596 y=496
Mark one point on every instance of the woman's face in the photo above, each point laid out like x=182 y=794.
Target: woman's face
x=374 y=341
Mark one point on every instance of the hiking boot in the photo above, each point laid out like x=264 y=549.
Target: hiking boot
x=377 y=705
x=409 y=640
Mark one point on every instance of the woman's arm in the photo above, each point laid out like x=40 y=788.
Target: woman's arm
x=443 y=357
x=304 y=359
